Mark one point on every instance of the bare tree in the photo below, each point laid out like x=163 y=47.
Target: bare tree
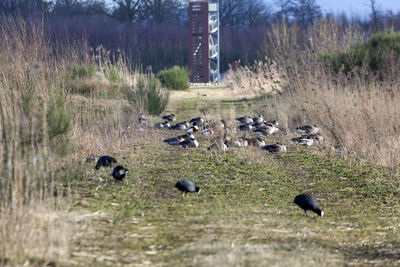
x=375 y=15
x=303 y=12
x=243 y=13
x=129 y=10
x=160 y=11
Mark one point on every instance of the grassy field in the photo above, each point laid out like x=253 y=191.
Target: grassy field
x=244 y=215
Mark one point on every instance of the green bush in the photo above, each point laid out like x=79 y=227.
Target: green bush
x=377 y=53
x=58 y=116
x=113 y=75
x=175 y=78
x=83 y=71
x=149 y=96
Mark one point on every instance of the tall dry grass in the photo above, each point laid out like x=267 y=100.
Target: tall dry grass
x=34 y=122
x=357 y=111
x=46 y=128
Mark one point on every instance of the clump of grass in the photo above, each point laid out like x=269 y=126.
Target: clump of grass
x=149 y=96
x=261 y=78
x=175 y=78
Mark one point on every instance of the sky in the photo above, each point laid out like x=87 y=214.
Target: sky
x=357 y=7
x=351 y=7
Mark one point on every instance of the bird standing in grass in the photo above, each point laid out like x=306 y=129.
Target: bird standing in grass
x=119 y=173
x=187 y=186
x=105 y=161
x=306 y=202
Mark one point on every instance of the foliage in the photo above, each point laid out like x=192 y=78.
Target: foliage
x=149 y=96
x=83 y=71
x=59 y=115
x=175 y=78
x=377 y=53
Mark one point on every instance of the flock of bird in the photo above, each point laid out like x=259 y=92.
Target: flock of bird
x=260 y=127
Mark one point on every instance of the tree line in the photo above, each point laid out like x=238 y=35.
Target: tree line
x=155 y=33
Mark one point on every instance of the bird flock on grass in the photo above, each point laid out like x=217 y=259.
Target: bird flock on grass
x=310 y=134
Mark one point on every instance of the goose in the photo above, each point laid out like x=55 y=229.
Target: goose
x=246 y=127
x=245 y=119
x=316 y=137
x=303 y=140
x=273 y=123
x=191 y=142
x=193 y=129
x=219 y=145
x=278 y=147
x=207 y=131
x=258 y=142
x=179 y=127
x=197 y=120
x=175 y=141
x=306 y=202
x=142 y=120
x=187 y=136
x=105 y=161
x=119 y=173
x=308 y=129
x=170 y=117
x=258 y=119
x=266 y=130
x=164 y=124
x=187 y=186
x=233 y=143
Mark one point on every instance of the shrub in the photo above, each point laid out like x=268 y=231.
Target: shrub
x=59 y=116
x=175 y=78
x=83 y=71
x=378 y=53
x=113 y=74
x=149 y=96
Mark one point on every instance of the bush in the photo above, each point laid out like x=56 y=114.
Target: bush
x=149 y=96
x=378 y=53
x=59 y=116
x=83 y=71
x=175 y=78
x=113 y=74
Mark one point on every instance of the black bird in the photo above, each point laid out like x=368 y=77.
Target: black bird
x=187 y=186
x=105 y=161
x=306 y=202
x=119 y=173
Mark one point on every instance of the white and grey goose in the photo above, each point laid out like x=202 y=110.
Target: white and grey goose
x=164 y=124
x=175 y=141
x=245 y=119
x=303 y=140
x=191 y=142
x=198 y=121
x=258 y=142
x=273 y=123
x=246 y=127
x=193 y=129
x=179 y=126
x=308 y=129
x=232 y=142
x=266 y=130
x=219 y=145
x=170 y=117
x=316 y=137
x=258 y=119
x=274 y=148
